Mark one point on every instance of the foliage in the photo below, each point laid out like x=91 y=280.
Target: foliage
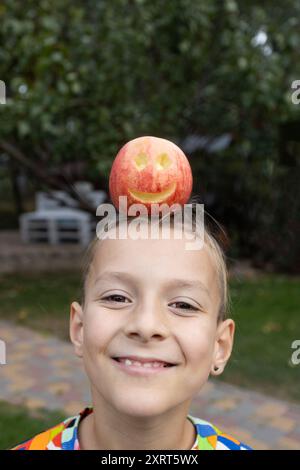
x=85 y=77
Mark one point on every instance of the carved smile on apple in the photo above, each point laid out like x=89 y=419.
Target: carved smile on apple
x=153 y=197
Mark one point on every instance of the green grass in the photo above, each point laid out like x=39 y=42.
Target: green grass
x=18 y=424
x=266 y=311
x=267 y=318
x=40 y=301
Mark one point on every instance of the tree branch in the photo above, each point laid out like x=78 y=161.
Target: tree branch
x=42 y=176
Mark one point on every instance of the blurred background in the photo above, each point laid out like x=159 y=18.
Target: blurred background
x=84 y=77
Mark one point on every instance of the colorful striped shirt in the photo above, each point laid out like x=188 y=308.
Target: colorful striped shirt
x=64 y=436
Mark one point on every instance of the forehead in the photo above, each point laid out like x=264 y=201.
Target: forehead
x=154 y=263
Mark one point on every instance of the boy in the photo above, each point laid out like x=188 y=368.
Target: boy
x=150 y=330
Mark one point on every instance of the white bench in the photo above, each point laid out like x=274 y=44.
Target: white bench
x=55 y=226
x=54 y=223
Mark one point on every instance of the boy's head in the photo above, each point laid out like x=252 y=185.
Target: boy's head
x=152 y=298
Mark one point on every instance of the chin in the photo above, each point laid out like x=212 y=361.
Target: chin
x=142 y=407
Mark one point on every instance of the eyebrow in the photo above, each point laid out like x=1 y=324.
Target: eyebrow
x=173 y=283
x=183 y=283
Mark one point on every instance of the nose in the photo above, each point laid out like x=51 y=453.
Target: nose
x=148 y=320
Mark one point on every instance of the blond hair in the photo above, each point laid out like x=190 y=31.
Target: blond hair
x=216 y=240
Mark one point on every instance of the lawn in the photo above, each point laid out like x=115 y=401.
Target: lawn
x=266 y=311
x=40 y=301
x=18 y=424
x=267 y=318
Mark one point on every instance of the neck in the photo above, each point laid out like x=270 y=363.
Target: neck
x=107 y=429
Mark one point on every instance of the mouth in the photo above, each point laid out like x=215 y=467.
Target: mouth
x=153 y=197
x=142 y=367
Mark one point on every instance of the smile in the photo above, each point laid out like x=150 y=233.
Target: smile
x=153 y=197
x=142 y=370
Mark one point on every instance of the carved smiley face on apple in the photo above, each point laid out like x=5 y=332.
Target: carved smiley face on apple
x=150 y=170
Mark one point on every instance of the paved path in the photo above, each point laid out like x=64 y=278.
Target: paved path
x=43 y=371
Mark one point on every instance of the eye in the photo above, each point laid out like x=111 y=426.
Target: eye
x=141 y=161
x=185 y=306
x=163 y=161
x=115 y=298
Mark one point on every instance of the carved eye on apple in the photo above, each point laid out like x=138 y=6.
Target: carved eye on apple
x=162 y=161
x=141 y=161
x=150 y=170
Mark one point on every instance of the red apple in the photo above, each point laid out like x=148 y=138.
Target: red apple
x=150 y=170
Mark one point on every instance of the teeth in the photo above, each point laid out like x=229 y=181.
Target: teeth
x=128 y=362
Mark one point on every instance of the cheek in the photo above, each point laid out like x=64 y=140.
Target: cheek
x=197 y=340
x=98 y=329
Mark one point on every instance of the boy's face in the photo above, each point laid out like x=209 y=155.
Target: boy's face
x=144 y=311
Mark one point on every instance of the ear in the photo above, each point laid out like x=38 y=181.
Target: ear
x=76 y=327
x=223 y=346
